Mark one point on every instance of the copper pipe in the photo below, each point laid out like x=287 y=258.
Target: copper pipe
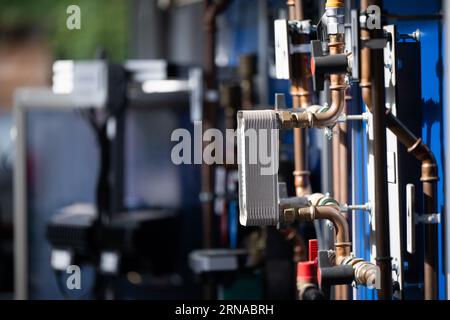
x=365 y=272
x=340 y=162
x=429 y=180
x=337 y=85
x=343 y=158
x=338 y=294
x=331 y=213
x=292 y=12
x=380 y=165
x=301 y=98
x=373 y=92
x=336 y=175
x=211 y=11
x=416 y=147
x=366 y=56
x=343 y=163
x=299 y=9
x=342 y=291
x=337 y=89
x=431 y=241
x=312 y=119
x=301 y=175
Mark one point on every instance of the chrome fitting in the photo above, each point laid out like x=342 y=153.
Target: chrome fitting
x=334 y=19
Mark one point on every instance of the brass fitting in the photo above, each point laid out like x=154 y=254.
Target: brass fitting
x=294 y=119
x=335 y=4
x=289 y=216
x=307 y=214
x=429 y=171
x=366 y=273
x=286 y=119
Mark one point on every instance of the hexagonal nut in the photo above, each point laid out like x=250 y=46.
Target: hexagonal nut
x=289 y=216
x=285 y=118
x=332 y=28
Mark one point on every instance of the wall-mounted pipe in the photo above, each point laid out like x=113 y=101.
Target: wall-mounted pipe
x=321 y=118
x=365 y=273
x=373 y=91
x=330 y=210
x=336 y=175
x=429 y=179
x=333 y=214
x=366 y=58
x=341 y=165
x=383 y=250
x=301 y=98
x=418 y=149
x=338 y=86
x=340 y=291
x=340 y=162
x=343 y=157
x=317 y=117
x=211 y=11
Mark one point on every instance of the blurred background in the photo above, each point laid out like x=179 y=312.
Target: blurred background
x=86 y=123
x=62 y=152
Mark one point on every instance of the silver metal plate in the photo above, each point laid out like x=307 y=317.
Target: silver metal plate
x=258 y=151
x=282 y=53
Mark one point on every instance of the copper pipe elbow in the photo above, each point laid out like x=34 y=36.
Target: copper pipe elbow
x=331 y=213
x=337 y=87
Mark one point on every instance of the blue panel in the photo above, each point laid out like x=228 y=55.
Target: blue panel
x=432 y=128
x=359 y=195
x=241 y=30
x=432 y=90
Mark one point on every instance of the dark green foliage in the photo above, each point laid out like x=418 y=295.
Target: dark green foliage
x=104 y=24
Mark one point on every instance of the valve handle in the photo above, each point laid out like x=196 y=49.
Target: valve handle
x=322 y=65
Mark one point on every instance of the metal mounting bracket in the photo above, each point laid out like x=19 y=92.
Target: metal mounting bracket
x=434 y=218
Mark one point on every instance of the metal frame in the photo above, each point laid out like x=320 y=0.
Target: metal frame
x=42 y=99
x=390 y=54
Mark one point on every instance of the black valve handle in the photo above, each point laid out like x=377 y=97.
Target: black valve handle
x=322 y=65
